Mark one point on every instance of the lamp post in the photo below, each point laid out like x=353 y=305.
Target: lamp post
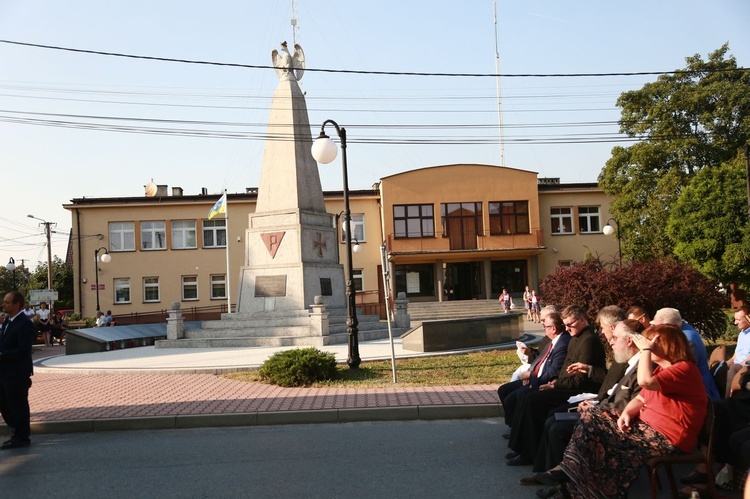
x=105 y=258
x=12 y=267
x=609 y=230
x=324 y=151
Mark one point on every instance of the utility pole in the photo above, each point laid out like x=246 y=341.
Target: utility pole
x=49 y=248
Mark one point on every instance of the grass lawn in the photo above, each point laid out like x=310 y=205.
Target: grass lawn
x=478 y=368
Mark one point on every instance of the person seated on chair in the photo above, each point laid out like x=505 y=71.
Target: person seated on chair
x=527 y=354
x=534 y=406
x=108 y=320
x=742 y=351
x=672 y=316
x=608 y=449
x=545 y=367
x=618 y=389
x=101 y=321
x=638 y=313
x=58 y=328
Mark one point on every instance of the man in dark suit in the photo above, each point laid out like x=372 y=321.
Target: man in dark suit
x=16 y=369
x=544 y=369
x=618 y=388
x=528 y=423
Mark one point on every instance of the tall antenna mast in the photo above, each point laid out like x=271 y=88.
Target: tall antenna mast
x=295 y=25
x=497 y=80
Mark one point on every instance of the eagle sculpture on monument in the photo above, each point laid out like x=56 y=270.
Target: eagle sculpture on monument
x=289 y=64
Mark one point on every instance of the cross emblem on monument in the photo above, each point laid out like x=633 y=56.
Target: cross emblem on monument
x=319 y=244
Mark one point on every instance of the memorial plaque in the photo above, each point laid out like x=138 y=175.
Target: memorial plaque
x=270 y=285
x=325 y=286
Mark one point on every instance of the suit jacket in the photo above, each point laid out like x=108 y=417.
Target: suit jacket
x=625 y=391
x=554 y=362
x=586 y=347
x=15 y=348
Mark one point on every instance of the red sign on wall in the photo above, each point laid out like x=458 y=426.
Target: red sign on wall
x=93 y=287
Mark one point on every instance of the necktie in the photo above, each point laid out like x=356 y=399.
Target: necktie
x=538 y=366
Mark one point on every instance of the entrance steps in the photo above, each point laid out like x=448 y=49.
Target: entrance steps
x=456 y=309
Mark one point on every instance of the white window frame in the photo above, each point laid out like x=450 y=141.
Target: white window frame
x=589 y=216
x=558 y=228
x=150 y=232
x=358 y=276
x=219 y=280
x=189 y=282
x=214 y=227
x=122 y=285
x=151 y=283
x=357 y=225
x=121 y=236
x=184 y=234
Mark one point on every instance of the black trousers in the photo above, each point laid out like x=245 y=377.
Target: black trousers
x=14 y=405
x=555 y=438
x=529 y=419
x=510 y=395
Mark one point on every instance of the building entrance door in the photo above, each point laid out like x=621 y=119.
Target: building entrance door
x=463 y=280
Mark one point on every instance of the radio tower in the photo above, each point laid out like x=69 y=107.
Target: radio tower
x=295 y=25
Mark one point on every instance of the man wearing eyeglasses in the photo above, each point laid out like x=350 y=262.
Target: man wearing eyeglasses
x=528 y=423
x=545 y=367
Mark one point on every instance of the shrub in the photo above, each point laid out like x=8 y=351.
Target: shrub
x=652 y=285
x=298 y=367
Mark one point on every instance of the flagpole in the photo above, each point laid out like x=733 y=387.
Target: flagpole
x=226 y=223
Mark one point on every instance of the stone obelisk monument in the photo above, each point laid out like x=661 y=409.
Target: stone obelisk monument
x=291 y=254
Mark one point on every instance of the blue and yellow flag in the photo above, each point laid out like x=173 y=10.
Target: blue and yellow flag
x=219 y=207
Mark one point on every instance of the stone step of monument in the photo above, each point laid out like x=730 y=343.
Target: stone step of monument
x=279 y=341
x=245 y=329
x=458 y=309
x=254 y=322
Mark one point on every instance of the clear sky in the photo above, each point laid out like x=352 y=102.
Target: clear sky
x=78 y=125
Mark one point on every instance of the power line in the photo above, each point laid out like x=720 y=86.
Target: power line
x=352 y=71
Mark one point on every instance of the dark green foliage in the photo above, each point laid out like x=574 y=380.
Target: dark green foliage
x=692 y=119
x=653 y=285
x=299 y=367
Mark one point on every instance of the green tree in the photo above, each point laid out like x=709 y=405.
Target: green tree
x=709 y=219
x=685 y=121
x=62 y=281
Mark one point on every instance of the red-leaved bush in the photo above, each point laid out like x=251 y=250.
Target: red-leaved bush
x=652 y=285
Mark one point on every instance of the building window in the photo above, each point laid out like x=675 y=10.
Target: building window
x=359 y=279
x=562 y=220
x=153 y=235
x=189 y=287
x=218 y=287
x=462 y=223
x=358 y=228
x=413 y=220
x=121 y=236
x=214 y=233
x=415 y=280
x=122 y=290
x=588 y=219
x=509 y=217
x=150 y=289
x=565 y=263
x=184 y=235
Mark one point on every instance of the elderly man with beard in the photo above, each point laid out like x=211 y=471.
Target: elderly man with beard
x=618 y=388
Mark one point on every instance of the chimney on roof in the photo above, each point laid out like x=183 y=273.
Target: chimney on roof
x=177 y=191
x=548 y=180
x=161 y=190
x=251 y=190
x=204 y=191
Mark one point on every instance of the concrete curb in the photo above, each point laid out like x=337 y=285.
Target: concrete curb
x=405 y=413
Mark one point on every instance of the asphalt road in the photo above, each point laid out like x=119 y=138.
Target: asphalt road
x=455 y=458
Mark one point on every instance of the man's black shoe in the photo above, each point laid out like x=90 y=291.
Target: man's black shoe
x=519 y=461
x=545 y=493
x=15 y=444
x=512 y=454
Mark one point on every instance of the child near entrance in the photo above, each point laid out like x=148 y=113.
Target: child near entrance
x=527 y=303
x=505 y=300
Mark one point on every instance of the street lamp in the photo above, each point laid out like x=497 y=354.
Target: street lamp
x=324 y=151
x=608 y=230
x=105 y=258
x=12 y=267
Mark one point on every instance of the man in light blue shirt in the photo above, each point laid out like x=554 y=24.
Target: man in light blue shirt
x=741 y=355
x=672 y=316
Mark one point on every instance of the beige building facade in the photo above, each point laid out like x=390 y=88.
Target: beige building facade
x=451 y=232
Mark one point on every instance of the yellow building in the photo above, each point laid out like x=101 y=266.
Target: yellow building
x=451 y=232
